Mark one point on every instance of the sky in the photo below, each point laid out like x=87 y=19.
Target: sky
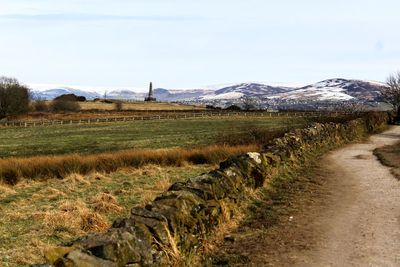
x=192 y=44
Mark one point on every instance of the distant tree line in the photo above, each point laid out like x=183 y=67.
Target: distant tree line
x=14 y=97
x=391 y=93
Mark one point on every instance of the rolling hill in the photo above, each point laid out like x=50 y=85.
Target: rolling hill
x=328 y=90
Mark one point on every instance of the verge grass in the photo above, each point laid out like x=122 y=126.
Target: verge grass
x=390 y=156
x=38 y=215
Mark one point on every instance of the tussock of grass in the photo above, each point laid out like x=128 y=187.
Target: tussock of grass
x=74 y=216
x=162 y=184
x=96 y=176
x=13 y=169
x=106 y=203
x=76 y=178
x=147 y=194
x=6 y=190
x=50 y=193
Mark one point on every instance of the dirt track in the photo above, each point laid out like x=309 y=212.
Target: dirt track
x=345 y=212
x=360 y=224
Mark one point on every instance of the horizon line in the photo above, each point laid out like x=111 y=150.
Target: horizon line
x=97 y=89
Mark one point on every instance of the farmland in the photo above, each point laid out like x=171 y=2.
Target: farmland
x=42 y=213
x=143 y=106
x=102 y=137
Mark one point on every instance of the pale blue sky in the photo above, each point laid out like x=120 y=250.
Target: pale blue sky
x=187 y=43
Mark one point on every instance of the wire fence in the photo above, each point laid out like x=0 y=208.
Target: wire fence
x=172 y=116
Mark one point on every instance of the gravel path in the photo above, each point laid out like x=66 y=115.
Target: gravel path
x=344 y=210
x=360 y=223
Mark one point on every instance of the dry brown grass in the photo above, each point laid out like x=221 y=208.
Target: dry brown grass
x=106 y=203
x=50 y=193
x=91 y=109
x=40 y=215
x=390 y=156
x=74 y=216
x=96 y=176
x=161 y=185
x=76 y=178
x=6 y=190
x=89 y=105
x=13 y=170
x=232 y=215
x=172 y=252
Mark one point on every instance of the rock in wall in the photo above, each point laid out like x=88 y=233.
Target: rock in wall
x=180 y=219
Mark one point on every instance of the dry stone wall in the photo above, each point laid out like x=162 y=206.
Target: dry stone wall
x=178 y=220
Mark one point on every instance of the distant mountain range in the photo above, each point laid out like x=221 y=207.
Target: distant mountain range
x=327 y=90
x=335 y=90
x=53 y=93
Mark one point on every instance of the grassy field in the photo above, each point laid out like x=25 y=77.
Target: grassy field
x=37 y=215
x=95 y=138
x=43 y=213
x=89 y=105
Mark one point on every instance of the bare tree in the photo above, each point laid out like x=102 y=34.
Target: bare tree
x=118 y=105
x=40 y=105
x=249 y=103
x=391 y=93
x=14 y=97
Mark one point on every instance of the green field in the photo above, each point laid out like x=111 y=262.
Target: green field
x=105 y=137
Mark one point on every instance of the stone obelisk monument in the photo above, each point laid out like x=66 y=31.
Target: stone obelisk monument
x=150 y=97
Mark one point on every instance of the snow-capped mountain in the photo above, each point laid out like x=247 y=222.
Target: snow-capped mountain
x=253 y=89
x=181 y=94
x=123 y=94
x=53 y=93
x=327 y=90
x=245 y=89
x=335 y=90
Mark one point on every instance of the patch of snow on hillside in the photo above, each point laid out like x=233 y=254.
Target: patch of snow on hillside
x=329 y=83
x=230 y=95
x=318 y=91
x=334 y=95
x=377 y=83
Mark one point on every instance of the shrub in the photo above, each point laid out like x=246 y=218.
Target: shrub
x=10 y=176
x=61 y=105
x=71 y=97
x=118 y=106
x=14 y=98
x=40 y=105
x=234 y=107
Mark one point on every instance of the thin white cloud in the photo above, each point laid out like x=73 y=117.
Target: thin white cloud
x=92 y=17
x=180 y=43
